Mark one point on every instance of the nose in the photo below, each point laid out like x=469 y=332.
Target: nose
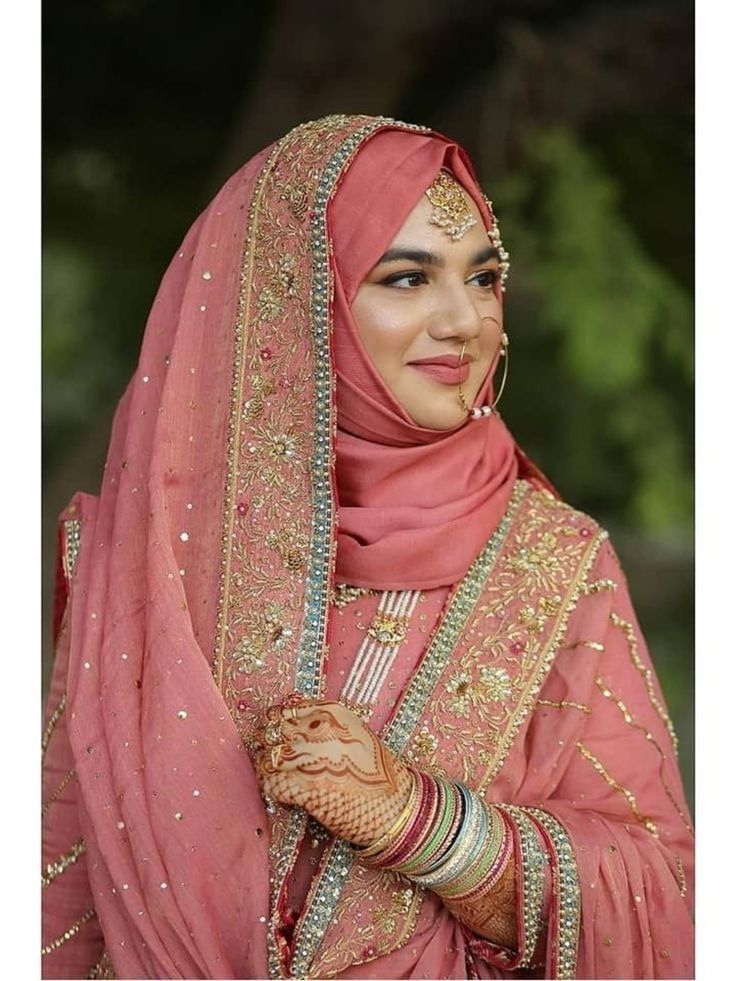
x=455 y=315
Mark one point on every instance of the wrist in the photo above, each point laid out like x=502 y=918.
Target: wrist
x=446 y=838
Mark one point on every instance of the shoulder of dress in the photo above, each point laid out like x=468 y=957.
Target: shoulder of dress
x=543 y=506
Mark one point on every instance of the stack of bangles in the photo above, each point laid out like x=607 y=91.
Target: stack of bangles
x=446 y=839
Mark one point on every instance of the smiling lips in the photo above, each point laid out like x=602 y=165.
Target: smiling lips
x=446 y=368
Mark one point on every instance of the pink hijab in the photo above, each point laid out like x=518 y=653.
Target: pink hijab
x=416 y=505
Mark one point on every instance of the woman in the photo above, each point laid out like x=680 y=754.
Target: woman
x=342 y=688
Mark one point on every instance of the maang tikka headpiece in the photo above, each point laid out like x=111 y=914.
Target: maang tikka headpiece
x=450 y=206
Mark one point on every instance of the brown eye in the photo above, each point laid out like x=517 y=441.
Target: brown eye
x=406 y=280
x=486 y=279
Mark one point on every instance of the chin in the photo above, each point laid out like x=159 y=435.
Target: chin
x=436 y=420
x=438 y=410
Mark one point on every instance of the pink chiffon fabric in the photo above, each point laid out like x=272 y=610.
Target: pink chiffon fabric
x=145 y=763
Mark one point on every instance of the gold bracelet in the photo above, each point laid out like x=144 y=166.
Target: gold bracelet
x=387 y=837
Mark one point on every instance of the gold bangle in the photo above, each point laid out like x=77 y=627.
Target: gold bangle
x=388 y=836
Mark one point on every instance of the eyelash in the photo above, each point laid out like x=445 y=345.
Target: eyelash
x=396 y=278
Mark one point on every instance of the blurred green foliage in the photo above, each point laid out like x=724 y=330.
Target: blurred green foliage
x=616 y=328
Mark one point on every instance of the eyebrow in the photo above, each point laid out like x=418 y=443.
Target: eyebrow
x=424 y=258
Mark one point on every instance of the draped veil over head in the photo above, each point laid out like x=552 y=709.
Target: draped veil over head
x=256 y=456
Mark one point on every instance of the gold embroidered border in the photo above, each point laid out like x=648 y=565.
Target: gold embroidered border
x=69 y=933
x=394 y=911
x=532 y=861
x=545 y=660
x=646 y=674
x=450 y=630
x=612 y=782
x=305 y=547
x=51 y=725
x=563 y=946
x=234 y=422
x=606 y=691
x=72 y=544
x=62 y=863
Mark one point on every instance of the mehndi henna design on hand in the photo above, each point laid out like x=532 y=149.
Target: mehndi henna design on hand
x=333 y=766
x=492 y=914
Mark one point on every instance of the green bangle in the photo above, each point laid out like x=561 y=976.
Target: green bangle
x=445 y=803
x=468 y=880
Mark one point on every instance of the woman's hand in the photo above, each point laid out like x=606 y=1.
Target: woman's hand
x=320 y=756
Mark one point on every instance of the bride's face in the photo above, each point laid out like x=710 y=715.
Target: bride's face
x=423 y=299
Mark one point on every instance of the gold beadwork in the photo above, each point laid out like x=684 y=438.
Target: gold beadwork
x=600 y=768
x=563 y=703
x=52 y=723
x=450 y=206
x=592 y=588
x=593 y=645
x=70 y=932
x=65 y=780
x=344 y=594
x=606 y=691
x=645 y=672
x=102 y=970
x=681 y=880
x=62 y=863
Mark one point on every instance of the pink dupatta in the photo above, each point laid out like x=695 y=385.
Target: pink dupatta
x=200 y=594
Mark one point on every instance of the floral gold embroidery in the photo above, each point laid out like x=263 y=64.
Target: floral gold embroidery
x=495 y=674
x=266 y=633
x=464 y=693
x=291 y=545
x=422 y=751
x=496 y=682
x=345 y=594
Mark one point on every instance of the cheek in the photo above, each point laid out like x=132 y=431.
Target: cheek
x=385 y=328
